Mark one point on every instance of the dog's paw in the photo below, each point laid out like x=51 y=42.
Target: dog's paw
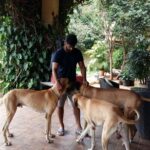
x=49 y=141
x=90 y=148
x=8 y=144
x=10 y=135
x=52 y=135
x=131 y=141
x=79 y=140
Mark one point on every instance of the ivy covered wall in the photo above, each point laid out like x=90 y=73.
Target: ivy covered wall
x=27 y=43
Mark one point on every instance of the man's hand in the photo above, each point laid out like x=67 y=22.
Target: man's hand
x=85 y=82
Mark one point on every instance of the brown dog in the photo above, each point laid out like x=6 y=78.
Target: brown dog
x=125 y=99
x=42 y=101
x=98 y=112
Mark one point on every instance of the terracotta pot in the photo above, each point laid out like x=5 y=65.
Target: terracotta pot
x=101 y=73
x=128 y=82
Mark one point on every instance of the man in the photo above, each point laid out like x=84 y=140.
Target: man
x=64 y=66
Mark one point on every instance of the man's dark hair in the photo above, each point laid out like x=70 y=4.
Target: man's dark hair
x=71 y=39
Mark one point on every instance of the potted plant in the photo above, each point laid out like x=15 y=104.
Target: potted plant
x=127 y=77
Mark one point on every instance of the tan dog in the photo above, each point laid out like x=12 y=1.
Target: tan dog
x=98 y=112
x=41 y=101
x=125 y=99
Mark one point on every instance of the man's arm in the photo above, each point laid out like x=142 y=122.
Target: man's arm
x=83 y=71
x=54 y=73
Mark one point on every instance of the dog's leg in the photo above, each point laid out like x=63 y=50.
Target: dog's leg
x=108 y=129
x=6 y=127
x=125 y=136
x=92 y=139
x=85 y=124
x=131 y=128
x=79 y=139
x=9 y=134
x=132 y=132
x=50 y=135
x=48 y=128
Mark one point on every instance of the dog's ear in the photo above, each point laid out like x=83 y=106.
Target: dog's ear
x=74 y=87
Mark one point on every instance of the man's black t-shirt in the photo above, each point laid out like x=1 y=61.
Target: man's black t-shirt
x=67 y=63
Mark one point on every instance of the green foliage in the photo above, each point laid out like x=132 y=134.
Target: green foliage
x=126 y=74
x=139 y=64
x=1 y=72
x=2 y=47
x=27 y=44
x=86 y=23
x=98 y=57
x=132 y=21
x=66 y=8
x=117 y=58
x=26 y=59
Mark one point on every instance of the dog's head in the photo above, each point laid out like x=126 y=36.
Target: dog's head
x=73 y=88
x=84 y=89
x=79 y=100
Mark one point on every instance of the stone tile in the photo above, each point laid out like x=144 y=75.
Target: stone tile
x=28 y=127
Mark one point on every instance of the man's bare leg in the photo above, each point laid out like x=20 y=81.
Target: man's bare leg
x=77 y=118
x=60 y=112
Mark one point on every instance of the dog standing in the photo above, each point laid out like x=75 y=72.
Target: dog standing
x=126 y=99
x=41 y=101
x=98 y=112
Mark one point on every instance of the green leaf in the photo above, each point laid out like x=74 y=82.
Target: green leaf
x=25 y=67
x=30 y=84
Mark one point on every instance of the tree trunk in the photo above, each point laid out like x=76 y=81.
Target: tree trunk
x=124 y=54
x=111 y=62
x=110 y=55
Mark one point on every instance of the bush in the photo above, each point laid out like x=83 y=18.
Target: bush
x=98 y=57
x=139 y=64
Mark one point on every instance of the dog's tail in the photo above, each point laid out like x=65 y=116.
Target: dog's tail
x=129 y=121
x=1 y=100
x=145 y=99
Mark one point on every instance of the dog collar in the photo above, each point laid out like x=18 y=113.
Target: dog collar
x=58 y=96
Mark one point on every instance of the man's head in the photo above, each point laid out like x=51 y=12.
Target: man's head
x=70 y=42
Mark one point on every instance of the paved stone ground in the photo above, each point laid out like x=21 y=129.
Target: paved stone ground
x=28 y=127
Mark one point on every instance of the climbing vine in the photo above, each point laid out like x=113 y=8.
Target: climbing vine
x=27 y=43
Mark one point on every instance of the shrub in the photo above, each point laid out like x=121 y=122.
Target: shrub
x=98 y=57
x=139 y=64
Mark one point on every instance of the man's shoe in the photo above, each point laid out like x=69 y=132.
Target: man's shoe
x=61 y=132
